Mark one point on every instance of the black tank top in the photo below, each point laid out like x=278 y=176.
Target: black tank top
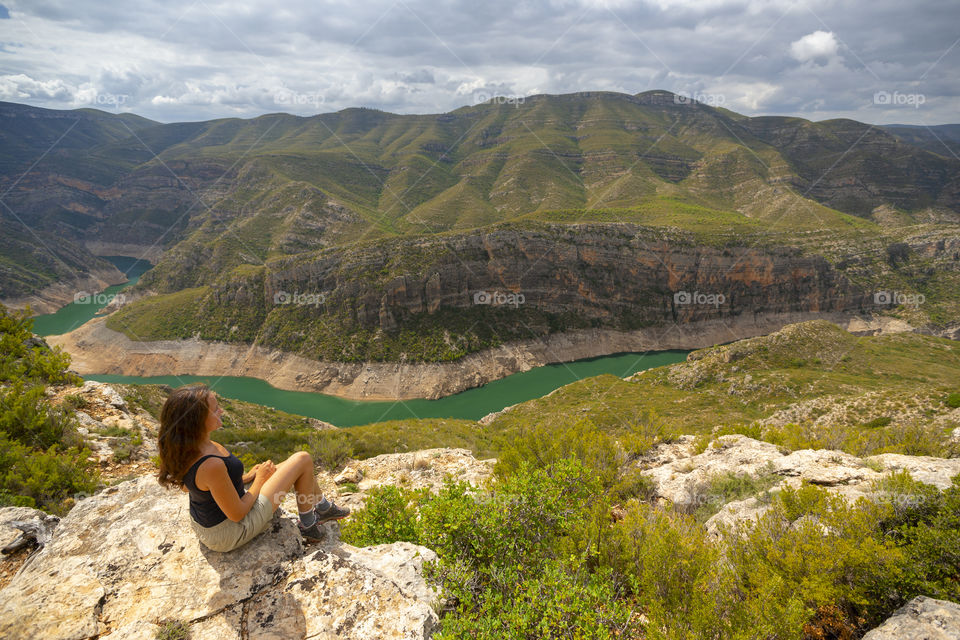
x=203 y=508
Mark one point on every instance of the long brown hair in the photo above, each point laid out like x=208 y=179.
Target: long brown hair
x=181 y=431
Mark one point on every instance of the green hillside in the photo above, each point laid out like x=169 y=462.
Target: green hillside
x=242 y=204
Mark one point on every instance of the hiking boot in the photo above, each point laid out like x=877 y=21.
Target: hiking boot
x=333 y=512
x=313 y=533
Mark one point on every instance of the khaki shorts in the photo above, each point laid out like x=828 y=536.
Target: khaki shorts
x=228 y=535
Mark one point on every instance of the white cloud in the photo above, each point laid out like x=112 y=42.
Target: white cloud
x=818 y=46
x=22 y=87
x=182 y=60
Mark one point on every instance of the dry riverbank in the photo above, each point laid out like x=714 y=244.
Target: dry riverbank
x=97 y=349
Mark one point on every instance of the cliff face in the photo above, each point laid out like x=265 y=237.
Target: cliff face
x=439 y=298
x=620 y=276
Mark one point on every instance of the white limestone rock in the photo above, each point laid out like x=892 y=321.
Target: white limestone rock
x=922 y=618
x=126 y=560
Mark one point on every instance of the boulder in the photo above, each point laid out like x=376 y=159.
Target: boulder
x=9 y=533
x=108 y=395
x=429 y=469
x=680 y=476
x=126 y=560
x=350 y=474
x=922 y=618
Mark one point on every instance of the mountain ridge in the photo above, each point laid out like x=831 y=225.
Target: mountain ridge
x=237 y=204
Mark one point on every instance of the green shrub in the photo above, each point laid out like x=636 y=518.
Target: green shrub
x=556 y=604
x=389 y=516
x=27 y=417
x=604 y=453
x=75 y=401
x=953 y=400
x=930 y=537
x=882 y=421
x=23 y=360
x=348 y=487
x=915 y=438
x=675 y=573
x=114 y=431
x=48 y=479
x=814 y=550
x=40 y=462
x=173 y=630
x=330 y=449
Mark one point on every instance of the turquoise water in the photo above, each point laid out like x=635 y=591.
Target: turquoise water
x=471 y=404
x=76 y=314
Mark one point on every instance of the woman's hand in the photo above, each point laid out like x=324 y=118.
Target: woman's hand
x=263 y=471
x=250 y=475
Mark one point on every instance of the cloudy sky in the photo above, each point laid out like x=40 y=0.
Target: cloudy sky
x=882 y=61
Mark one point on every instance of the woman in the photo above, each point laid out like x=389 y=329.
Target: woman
x=223 y=514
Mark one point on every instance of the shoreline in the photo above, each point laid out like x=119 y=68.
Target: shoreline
x=54 y=297
x=95 y=349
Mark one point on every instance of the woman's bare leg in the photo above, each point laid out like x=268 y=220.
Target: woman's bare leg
x=295 y=471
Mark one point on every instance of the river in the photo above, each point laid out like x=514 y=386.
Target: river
x=471 y=404
x=75 y=314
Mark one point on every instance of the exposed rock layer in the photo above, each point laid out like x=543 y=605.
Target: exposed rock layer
x=96 y=349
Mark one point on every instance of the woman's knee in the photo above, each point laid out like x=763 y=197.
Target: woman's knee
x=302 y=458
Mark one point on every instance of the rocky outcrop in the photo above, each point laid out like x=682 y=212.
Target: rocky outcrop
x=682 y=477
x=126 y=560
x=922 y=618
x=122 y=438
x=426 y=469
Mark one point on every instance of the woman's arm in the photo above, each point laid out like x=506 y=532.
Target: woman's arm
x=213 y=475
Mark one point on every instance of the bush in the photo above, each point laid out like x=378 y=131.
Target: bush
x=915 y=438
x=173 y=630
x=882 y=421
x=389 y=516
x=539 y=557
x=27 y=417
x=40 y=462
x=953 y=400
x=556 y=604
x=50 y=479
x=930 y=536
x=27 y=359
x=603 y=453
x=813 y=551
x=728 y=487
x=330 y=449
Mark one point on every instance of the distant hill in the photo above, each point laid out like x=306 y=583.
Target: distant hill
x=943 y=139
x=245 y=209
